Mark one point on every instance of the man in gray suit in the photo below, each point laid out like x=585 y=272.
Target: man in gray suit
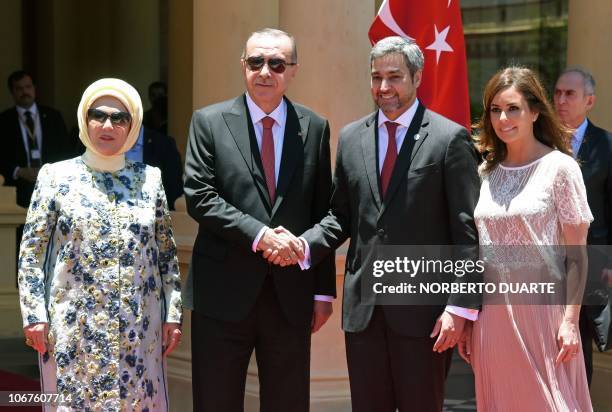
x=404 y=176
x=592 y=147
x=256 y=162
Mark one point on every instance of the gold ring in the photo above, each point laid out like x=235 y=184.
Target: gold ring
x=28 y=341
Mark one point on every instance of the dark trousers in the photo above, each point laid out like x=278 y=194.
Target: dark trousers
x=586 y=335
x=389 y=372
x=221 y=351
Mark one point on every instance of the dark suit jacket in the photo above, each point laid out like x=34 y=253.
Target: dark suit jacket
x=55 y=147
x=595 y=159
x=160 y=151
x=227 y=195
x=430 y=201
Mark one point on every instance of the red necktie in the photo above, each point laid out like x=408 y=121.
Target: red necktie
x=390 y=158
x=267 y=156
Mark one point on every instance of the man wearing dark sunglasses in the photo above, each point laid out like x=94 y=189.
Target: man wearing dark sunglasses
x=254 y=163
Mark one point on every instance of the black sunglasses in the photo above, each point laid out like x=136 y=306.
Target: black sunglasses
x=256 y=63
x=116 y=118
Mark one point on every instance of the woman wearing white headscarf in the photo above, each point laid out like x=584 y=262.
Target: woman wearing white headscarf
x=98 y=277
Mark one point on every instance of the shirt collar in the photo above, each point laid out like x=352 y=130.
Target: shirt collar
x=404 y=120
x=579 y=132
x=257 y=114
x=33 y=109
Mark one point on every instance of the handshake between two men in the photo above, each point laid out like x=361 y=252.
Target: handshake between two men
x=281 y=247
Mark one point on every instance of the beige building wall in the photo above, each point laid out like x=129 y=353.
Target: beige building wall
x=588 y=45
x=10 y=46
x=219 y=32
x=333 y=77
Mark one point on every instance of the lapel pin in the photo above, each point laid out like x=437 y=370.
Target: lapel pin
x=417 y=136
x=300 y=133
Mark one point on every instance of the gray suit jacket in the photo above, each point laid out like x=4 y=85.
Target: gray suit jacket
x=430 y=201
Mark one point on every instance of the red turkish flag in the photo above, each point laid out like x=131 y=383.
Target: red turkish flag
x=436 y=27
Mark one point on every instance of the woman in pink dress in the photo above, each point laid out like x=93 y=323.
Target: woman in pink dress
x=526 y=357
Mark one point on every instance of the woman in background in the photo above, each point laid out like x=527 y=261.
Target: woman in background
x=98 y=274
x=527 y=357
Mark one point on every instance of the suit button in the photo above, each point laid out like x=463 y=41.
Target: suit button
x=381 y=232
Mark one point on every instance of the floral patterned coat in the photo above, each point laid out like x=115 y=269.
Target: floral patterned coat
x=98 y=263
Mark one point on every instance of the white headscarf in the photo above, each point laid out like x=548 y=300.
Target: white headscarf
x=130 y=98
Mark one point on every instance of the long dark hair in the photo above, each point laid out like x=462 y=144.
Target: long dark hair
x=547 y=128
